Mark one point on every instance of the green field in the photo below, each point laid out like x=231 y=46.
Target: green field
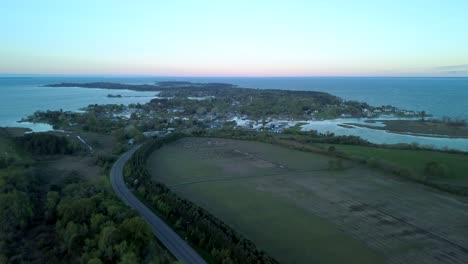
x=299 y=211
x=456 y=165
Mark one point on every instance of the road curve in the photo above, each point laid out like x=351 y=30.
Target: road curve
x=173 y=242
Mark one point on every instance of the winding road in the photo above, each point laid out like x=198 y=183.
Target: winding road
x=170 y=239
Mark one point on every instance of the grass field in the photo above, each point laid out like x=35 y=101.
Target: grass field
x=299 y=211
x=456 y=165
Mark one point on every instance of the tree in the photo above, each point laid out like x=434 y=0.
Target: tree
x=129 y=258
x=15 y=212
x=94 y=261
x=96 y=222
x=434 y=169
x=137 y=231
x=53 y=199
x=108 y=238
x=71 y=237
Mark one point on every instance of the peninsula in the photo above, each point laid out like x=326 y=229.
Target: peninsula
x=222 y=100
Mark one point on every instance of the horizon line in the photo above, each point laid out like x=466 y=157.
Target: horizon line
x=7 y=75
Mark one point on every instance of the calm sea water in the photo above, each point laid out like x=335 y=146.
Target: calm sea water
x=20 y=97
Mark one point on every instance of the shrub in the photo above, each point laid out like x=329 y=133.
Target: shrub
x=435 y=169
x=335 y=164
x=374 y=163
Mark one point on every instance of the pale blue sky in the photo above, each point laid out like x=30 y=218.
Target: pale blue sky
x=235 y=38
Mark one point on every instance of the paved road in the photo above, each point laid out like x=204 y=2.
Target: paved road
x=176 y=245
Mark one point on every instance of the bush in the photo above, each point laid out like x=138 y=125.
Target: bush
x=374 y=163
x=404 y=172
x=336 y=164
x=435 y=169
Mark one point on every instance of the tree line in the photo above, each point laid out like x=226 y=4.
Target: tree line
x=47 y=144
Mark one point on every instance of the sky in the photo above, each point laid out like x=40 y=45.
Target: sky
x=234 y=38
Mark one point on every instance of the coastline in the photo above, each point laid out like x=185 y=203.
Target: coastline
x=436 y=129
x=369 y=128
x=16 y=107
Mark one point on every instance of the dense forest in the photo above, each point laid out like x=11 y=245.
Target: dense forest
x=70 y=221
x=202 y=229
x=47 y=144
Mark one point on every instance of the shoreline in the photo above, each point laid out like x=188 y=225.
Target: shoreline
x=369 y=121
x=417 y=128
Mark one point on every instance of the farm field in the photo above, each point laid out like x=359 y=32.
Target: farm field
x=297 y=208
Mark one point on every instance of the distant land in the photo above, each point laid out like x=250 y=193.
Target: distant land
x=143 y=87
x=233 y=100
